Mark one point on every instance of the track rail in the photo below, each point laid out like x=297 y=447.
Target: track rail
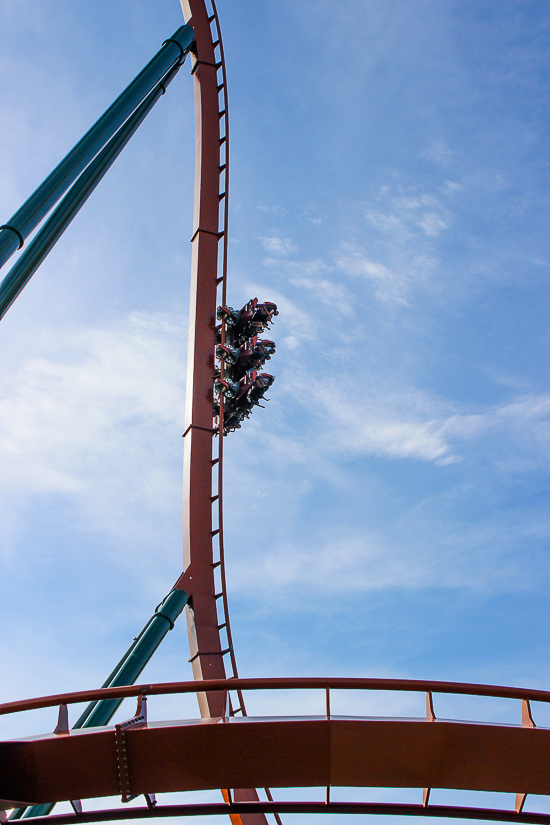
x=286 y=683
x=327 y=750
x=203 y=575
x=233 y=707
x=204 y=562
x=281 y=807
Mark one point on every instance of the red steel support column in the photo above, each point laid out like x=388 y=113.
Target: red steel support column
x=198 y=561
x=198 y=578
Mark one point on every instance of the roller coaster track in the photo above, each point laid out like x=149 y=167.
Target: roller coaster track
x=204 y=578
x=325 y=751
x=204 y=562
x=210 y=230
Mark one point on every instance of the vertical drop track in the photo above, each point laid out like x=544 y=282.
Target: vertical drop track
x=210 y=639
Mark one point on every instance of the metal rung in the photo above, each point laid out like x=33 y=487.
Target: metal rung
x=215 y=532
x=222 y=113
x=222 y=167
x=214 y=498
x=221 y=626
x=222 y=140
x=221 y=86
x=215 y=461
x=218 y=595
x=209 y=653
x=216 y=564
x=221 y=196
x=198 y=63
x=213 y=17
x=216 y=43
x=218 y=235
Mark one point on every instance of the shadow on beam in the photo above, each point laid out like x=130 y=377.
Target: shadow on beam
x=370 y=808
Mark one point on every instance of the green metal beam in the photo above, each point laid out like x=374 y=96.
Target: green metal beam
x=125 y=673
x=13 y=234
x=23 y=270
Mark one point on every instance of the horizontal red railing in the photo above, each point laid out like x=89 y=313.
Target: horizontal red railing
x=277 y=807
x=285 y=683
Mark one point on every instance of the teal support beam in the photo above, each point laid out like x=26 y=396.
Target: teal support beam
x=135 y=659
x=14 y=232
x=126 y=672
x=23 y=270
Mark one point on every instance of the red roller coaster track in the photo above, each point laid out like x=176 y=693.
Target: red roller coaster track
x=202 y=471
x=226 y=749
x=316 y=751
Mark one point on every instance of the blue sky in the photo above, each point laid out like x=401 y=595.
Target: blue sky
x=387 y=513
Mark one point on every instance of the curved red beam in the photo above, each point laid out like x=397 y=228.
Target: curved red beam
x=248 y=808
x=200 y=492
x=281 y=683
x=198 y=495
x=290 y=752
x=203 y=550
x=302 y=752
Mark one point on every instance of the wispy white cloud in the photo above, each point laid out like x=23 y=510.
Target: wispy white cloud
x=361 y=415
x=329 y=293
x=451 y=186
x=312 y=274
x=427 y=545
x=431 y=543
x=399 y=213
x=363 y=419
x=273 y=210
x=88 y=421
x=432 y=224
x=396 y=248
x=311 y=214
x=439 y=153
x=390 y=286
x=278 y=246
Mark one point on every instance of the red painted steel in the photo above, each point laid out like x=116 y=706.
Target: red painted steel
x=279 y=753
x=281 y=683
x=365 y=808
x=284 y=807
x=299 y=752
x=210 y=226
x=198 y=576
